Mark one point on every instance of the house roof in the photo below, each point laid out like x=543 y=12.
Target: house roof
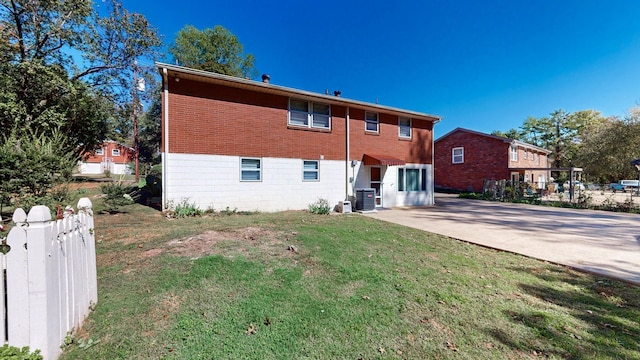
x=175 y=71
x=503 y=139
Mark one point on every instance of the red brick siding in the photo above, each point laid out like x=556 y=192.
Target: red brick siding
x=484 y=158
x=387 y=141
x=210 y=119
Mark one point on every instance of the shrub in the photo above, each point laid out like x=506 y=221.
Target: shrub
x=186 y=209
x=320 y=207
x=117 y=195
x=14 y=353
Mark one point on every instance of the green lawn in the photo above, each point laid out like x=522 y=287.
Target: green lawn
x=294 y=285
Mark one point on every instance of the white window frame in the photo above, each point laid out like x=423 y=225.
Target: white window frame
x=315 y=171
x=115 y=152
x=100 y=152
x=513 y=152
x=310 y=115
x=402 y=179
x=250 y=169
x=405 y=127
x=457 y=158
x=368 y=121
x=526 y=154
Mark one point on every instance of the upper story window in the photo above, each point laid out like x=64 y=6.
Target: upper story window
x=309 y=114
x=371 y=122
x=457 y=155
x=404 y=128
x=513 y=151
x=526 y=154
x=99 y=152
x=115 y=152
x=250 y=169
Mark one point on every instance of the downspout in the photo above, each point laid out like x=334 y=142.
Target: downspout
x=433 y=165
x=347 y=160
x=165 y=113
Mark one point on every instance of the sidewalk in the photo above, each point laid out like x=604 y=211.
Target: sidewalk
x=600 y=242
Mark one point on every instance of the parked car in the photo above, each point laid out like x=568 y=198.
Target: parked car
x=576 y=185
x=616 y=187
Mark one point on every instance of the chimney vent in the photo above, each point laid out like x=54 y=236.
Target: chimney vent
x=266 y=78
x=337 y=93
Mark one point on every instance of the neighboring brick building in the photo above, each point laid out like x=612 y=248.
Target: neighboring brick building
x=250 y=145
x=465 y=158
x=111 y=156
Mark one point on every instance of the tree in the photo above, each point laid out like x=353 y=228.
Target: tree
x=65 y=66
x=608 y=148
x=510 y=134
x=561 y=133
x=216 y=50
x=44 y=88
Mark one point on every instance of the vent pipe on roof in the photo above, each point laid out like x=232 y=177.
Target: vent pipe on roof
x=266 y=78
x=337 y=93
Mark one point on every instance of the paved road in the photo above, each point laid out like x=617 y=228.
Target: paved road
x=602 y=242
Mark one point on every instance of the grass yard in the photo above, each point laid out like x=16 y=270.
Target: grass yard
x=294 y=285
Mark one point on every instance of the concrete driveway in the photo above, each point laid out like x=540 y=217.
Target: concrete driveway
x=601 y=242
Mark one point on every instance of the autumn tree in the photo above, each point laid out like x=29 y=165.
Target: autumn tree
x=216 y=50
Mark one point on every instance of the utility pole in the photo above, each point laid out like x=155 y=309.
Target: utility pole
x=135 y=120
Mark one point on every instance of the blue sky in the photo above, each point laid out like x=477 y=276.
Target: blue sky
x=483 y=65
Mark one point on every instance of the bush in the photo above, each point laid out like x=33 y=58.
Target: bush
x=186 y=209
x=14 y=353
x=320 y=207
x=117 y=195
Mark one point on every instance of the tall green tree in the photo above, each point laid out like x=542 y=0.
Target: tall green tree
x=216 y=50
x=44 y=87
x=608 y=148
x=561 y=132
x=509 y=134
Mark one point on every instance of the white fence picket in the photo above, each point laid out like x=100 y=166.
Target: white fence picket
x=51 y=277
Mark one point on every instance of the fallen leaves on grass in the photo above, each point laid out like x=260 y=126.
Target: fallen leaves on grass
x=452 y=346
x=251 y=330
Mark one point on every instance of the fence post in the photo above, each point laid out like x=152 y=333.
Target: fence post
x=42 y=247
x=17 y=276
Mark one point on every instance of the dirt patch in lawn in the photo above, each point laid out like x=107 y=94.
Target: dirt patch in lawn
x=234 y=241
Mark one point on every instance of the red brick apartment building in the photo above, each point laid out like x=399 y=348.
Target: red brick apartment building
x=251 y=145
x=111 y=156
x=465 y=158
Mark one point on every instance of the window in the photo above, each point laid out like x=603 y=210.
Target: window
x=115 y=152
x=412 y=179
x=371 y=121
x=308 y=114
x=526 y=154
x=310 y=170
x=457 y=155
x=538 y=159
x=250 y=169
x=99 y=152
x=404 y=128
x=514 y=153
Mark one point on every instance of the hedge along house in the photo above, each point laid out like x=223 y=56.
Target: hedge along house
x=464 y=159
x=251 y=145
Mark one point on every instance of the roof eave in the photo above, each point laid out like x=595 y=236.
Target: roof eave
x=232 y=81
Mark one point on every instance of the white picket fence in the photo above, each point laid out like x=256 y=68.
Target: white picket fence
x=50 y=277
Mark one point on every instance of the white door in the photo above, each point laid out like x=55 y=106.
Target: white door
x=376 y=183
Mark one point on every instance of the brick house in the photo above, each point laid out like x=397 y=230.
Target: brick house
x=111 y=156
x=251 y=145
x=465 y=158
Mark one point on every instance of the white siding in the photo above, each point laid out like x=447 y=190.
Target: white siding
x=213 y=181
x=90 y=168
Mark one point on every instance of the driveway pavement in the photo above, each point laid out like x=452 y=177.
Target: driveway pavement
x=601 y=242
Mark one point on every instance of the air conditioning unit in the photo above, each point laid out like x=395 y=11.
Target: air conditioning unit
x=365 y=199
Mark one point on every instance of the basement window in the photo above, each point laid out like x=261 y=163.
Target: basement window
x=250 y=169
